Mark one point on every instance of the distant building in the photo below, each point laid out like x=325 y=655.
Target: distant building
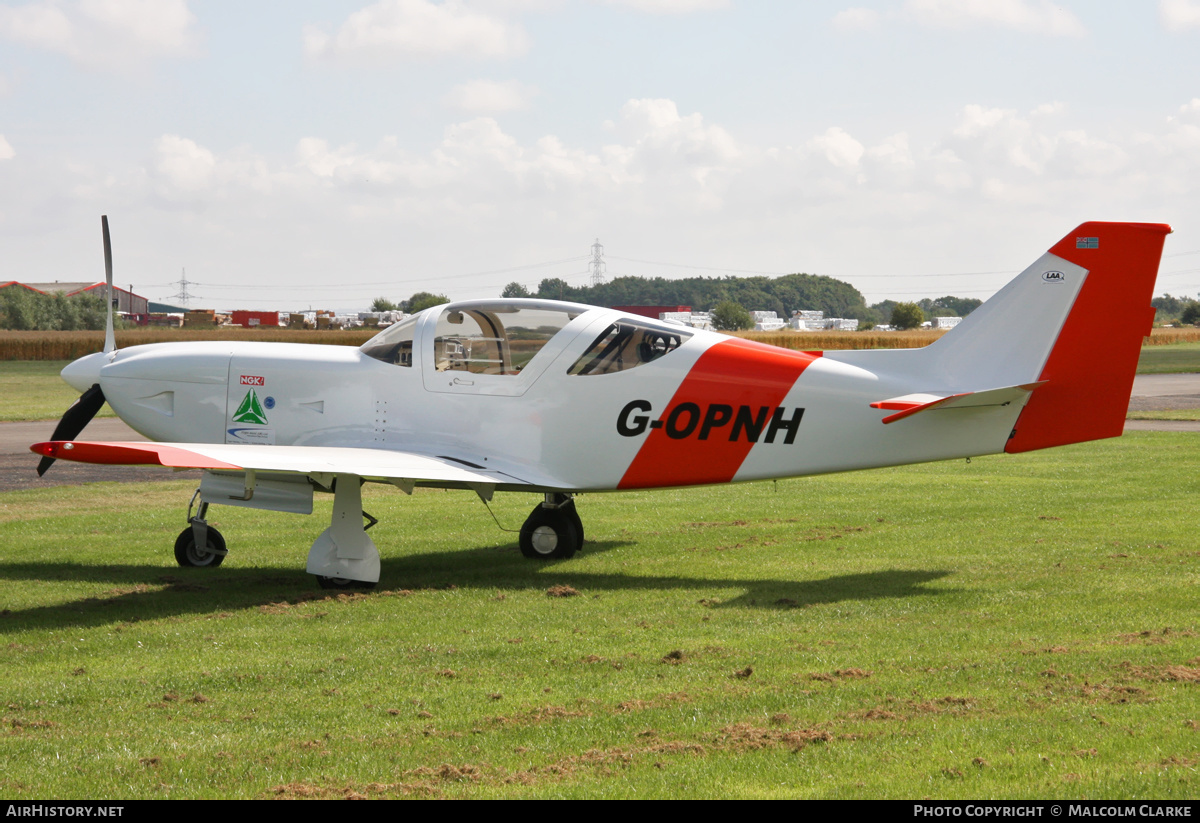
x=817 y=321
x=946 y=322
x=807 y=320
x=695 y=319
x=651 y=311
x=6 y=284
x=766 y=321
x=124 y=301
x=255 y=319
x=166 y=308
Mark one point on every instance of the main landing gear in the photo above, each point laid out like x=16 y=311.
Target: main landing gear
x=344 y=557
x=553 y=530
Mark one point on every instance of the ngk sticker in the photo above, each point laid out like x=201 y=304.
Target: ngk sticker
x=253 y=380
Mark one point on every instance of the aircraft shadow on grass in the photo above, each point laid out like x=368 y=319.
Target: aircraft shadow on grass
x=150 y=593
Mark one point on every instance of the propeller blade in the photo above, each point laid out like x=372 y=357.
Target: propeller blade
x=110 y=338
x=79 y=415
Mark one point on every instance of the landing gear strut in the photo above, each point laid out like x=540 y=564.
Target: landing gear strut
x=553 y=530
x=199 y=544
x=344 y=557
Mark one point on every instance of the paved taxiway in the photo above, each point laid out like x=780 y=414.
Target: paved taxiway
x=1151 y=392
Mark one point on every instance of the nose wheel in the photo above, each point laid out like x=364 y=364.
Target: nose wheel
x=189 y=554
x=553 y=530
x=199 y=545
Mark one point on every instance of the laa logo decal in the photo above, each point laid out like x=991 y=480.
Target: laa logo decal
x=1054 y=277
x=250 y=410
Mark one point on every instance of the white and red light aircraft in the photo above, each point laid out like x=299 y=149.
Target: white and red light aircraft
x=561 y=398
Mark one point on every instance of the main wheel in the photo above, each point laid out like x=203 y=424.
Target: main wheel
x=188 y=554
x=550 y=534
x=342 y=583
x=576 y=519
x=567 y=505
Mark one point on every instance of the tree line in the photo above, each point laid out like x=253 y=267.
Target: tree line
x=24 y=310
x=731 y=298
x=1175 y=310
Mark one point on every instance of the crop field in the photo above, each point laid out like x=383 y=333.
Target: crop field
x=1013 y=627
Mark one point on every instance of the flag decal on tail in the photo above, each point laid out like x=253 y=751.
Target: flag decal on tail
x=1087 y=242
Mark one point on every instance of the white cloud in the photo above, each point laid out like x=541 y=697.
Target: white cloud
x=1179 y=14
x=670 y=6
x=490 y=96
x=661 y=162
x=838 y=148
x=656 y=126
x=393 y=30
x=1003 y=143
x=182 y=165
x=118 y=34
x=1028 y=16
x=893 y=153
x=664 y=179
x=856 y=18
x=6 y=149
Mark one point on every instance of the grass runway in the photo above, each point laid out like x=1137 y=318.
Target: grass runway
x=1016 y=627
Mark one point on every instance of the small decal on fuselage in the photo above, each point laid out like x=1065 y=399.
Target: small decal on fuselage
x=262 y=437
x=1054 y=277
x=250 y=410
x=253 y=380
x=745 y=423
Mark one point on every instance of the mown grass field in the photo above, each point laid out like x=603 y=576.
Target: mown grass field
x=1170 y=359
x=1013 y=627
x=33 y=390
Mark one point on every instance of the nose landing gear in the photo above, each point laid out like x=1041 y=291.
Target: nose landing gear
x=199 y=545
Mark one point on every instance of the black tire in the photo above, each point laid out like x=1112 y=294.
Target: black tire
x=574 y=513
x=187 y=555
x=343 y=584
x=550 y=534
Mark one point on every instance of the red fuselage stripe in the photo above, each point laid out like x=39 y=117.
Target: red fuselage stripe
x=732 y=373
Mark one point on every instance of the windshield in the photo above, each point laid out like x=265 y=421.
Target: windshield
x=394 y=344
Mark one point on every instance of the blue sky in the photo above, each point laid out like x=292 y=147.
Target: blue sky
x=322 y=153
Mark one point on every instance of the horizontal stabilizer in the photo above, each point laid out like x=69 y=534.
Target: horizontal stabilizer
x=910 y=404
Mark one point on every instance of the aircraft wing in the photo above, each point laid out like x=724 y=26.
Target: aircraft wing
x=911 y=404
x=382 y=464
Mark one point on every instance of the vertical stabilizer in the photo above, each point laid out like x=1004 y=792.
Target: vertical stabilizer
x=1089 y=371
